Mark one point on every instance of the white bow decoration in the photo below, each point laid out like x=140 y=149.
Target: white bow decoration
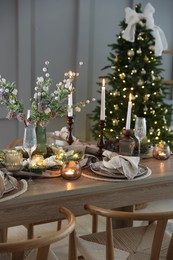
x=132 y=18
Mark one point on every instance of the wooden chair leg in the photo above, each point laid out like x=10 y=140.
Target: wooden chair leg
x=59 y=224
x=94 y=223
x=30 y=229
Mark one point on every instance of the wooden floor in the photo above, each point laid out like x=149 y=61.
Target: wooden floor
x=83 y=226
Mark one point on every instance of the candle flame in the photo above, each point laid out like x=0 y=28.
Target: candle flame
x=103 y=82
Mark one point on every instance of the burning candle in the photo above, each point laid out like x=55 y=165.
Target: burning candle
x=102 y=111
x=70 y=96
x=71 y=171
x=128 y=119
x=70 y=102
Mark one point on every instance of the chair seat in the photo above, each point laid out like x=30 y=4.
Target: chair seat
x=134 y=243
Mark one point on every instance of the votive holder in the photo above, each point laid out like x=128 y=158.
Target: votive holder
x=161 y=151
x=127 y=143
x=13 y=160
x=71 y=170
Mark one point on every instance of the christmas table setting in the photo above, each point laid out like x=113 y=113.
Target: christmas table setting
x=128 y=118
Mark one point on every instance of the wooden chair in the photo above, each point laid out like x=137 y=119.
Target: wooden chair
x=12 y=144
x=20 y=249
x=147 y=241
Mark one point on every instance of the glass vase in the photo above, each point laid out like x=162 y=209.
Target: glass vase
x=41 y=140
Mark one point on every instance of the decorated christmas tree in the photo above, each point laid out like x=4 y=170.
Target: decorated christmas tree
x=135 y=69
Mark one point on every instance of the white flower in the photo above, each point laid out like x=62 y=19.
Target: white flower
x=3 y=80
x=39 y=94
x=46 y=62
x=45 y=88
x=14 y=92
x=44 y=69
x=77 y=109
x=93 y=99
x=36 y=88
x=47 y=75
x=47 y=110
x=87 y=101
x=6 y=90
x=35 y=96
x=40 y=80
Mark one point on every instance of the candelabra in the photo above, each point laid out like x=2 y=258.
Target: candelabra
x=70 y=122
x=101 y=141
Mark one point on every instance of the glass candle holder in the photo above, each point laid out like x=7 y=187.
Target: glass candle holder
x=71 y=170
x=13 y=160
x=126 y=143
x=161 y=151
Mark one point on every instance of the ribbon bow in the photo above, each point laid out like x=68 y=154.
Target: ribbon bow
x=132 y=18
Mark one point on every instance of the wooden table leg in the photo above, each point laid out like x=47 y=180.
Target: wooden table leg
x=123 y=223
x=3 y=234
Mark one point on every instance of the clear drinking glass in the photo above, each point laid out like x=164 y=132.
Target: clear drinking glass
x=30 y=141
x=140 y=131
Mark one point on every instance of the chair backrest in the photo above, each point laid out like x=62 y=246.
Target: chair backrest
x=43 y=242
x=15 y=142
x=161 y=219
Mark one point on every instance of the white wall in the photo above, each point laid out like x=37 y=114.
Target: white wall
x=64 y=32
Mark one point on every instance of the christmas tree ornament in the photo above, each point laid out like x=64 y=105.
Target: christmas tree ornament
x=140 y=82
x=146 y=59
x=131 y=53
x=116 y=59
x=143 y=71
x=116 y=107
x=133 y=71
x=115 y=122
x=139 y=51
x=122 y=76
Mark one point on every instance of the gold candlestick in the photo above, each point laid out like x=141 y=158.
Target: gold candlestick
x=70 y=122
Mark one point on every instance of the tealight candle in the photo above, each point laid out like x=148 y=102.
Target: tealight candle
x=161 y=151
x=71 y=170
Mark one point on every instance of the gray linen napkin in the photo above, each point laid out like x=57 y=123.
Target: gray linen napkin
x=127 y=165
x=7 y=183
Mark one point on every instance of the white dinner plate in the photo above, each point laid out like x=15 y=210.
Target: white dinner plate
x=99 y=169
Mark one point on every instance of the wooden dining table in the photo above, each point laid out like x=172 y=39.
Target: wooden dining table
x=43 y=198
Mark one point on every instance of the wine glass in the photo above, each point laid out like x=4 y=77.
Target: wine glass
x=140 y=131
x=30 y=141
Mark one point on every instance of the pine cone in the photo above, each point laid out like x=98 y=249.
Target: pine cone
x=53 y=114
x=21 y=117
x=11 y=115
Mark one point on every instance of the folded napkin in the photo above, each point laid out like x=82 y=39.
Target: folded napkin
x=62 y=135
x=7 y=183
x=127 y=165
